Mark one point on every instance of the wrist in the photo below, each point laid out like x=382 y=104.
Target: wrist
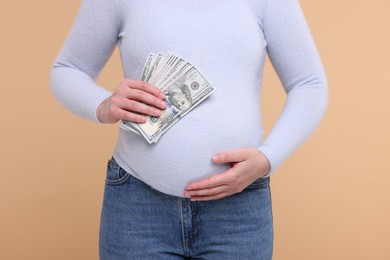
x=264 y=164
x=99 y=113
x=102 y=112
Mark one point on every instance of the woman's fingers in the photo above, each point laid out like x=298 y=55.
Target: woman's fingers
x=145 y=97
x=238 y=155
x=130 y=116
x=144 y=87
x=132 y=100
x=213 y=181
x=140 y=91
x=249 y=164
x=205 y=192
x=216 y=187
x=210 y=197
x=137 y=102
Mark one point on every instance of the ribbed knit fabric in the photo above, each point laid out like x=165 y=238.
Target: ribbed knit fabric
x=228 y=40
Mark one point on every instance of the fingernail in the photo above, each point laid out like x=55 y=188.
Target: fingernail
x=162 y=95
x=215 y=158
x=163 y=104
x=157 y=112
x=141 y=119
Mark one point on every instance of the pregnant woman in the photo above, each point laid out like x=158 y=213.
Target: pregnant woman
x=202 y=191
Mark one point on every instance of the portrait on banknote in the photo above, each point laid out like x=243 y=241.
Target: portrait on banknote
x=179 y=96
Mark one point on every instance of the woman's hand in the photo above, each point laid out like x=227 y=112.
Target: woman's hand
x=131 y=100
x=249 y=164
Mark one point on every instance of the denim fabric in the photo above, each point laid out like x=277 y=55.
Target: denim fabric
x=139 y=222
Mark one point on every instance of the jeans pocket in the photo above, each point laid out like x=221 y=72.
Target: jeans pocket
x=115 y=174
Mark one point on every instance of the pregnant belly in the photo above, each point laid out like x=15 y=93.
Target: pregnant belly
x=183 y=154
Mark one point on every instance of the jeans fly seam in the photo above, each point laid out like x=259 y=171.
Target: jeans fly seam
x=195 y=215
x=183 y=229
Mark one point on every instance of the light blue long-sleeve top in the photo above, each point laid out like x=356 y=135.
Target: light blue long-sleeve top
x=228 y=40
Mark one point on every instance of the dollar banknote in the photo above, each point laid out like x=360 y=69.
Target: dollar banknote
x=184 y=87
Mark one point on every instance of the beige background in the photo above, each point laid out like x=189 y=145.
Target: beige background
x=331 y=199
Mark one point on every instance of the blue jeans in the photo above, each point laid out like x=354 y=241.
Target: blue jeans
x=139 y=222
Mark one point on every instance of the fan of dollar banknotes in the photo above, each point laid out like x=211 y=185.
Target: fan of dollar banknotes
x=184 y=87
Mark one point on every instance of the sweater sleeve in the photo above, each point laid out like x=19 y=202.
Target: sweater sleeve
x=88 y=46
x=294 y=56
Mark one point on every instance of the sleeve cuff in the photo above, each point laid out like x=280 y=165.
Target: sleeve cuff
x=272 y=158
